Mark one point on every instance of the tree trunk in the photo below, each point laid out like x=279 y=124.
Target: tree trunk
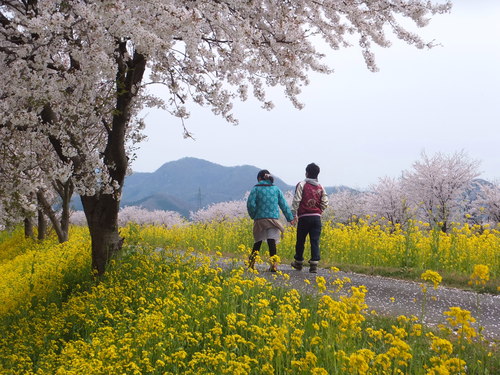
x=65 y=191
x=444 y=227
x=101 y=210
x=444 y=218
x=42 y=225
x=42 y=201
x=65 y=214
x=102 y=218
x=28 y=228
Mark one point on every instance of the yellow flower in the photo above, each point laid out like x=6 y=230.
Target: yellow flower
x=359 y=362
x=321 y=283
x=319 y=371
x=306 y=363
x=416 y=330
x=438 y=370
x=461 y=319
x=432 y=276
x=267 y=369
x=455 y=365
x=180 y=355
x=480 y=275
x=403 y=318
x=315 y=340
x=383 y=360
x=441 y=346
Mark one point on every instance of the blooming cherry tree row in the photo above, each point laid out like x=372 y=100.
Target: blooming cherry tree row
x=75 y=73
x=438 y=189
x=138 y=215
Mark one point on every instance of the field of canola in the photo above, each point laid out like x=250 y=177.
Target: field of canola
x=163 y=311
x=359 y=244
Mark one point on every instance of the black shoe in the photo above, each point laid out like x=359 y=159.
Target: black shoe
x=313 y=267
x=297 y=265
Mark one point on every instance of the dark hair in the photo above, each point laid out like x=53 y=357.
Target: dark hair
x=312 y=171
x=265 y=175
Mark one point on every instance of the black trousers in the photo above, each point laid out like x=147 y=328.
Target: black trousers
x=308 y=226
x=270 y=242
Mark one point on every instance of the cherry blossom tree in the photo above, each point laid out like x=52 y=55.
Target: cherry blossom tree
x=137 y=215
x=78 y=218
x=18 y=198
x=389 y=200
x=220 y=212
x=487 y=204
x=75 y=72
x=437 y=184
x=141 y=216
x=29 y=186
x=346 y=206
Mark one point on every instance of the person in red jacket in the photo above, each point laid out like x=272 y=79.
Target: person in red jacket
x=309 y=202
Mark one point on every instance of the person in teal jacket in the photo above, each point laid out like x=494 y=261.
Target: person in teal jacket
x=263 y=205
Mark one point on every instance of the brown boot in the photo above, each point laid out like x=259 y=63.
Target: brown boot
x=313 y=266
x=251 y=259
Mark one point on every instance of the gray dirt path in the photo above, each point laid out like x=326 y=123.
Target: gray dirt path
x=395 y=297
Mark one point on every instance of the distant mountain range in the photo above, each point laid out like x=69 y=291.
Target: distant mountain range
x=189 y=184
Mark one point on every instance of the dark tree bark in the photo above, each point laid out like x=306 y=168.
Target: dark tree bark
x=28 y=228
x=101 y=210
x=65 y=191
x=42 y=226
x=102 y=218
x=62 y=235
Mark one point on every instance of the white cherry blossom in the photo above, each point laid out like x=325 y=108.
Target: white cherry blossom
x=75 y=73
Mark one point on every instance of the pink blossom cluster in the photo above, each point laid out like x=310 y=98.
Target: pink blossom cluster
x=75 y=76
x=60 y=67
x=142 y=216
x=438 y=189
x=345 y=206
x=487 y=205
x=78 y=218
x=219 y=212
x=138 y=215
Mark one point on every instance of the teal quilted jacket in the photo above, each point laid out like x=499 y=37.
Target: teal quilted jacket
x=265 y=201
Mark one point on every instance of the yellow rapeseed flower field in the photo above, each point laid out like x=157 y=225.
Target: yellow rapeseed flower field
x=361 y=243
x=167 y=306
x=40 y=270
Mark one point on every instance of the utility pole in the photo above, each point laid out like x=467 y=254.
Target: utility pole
x=199 y=198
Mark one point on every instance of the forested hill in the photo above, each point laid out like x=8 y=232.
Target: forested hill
x=189 y=184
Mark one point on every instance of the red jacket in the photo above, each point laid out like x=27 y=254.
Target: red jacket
x=310 y=199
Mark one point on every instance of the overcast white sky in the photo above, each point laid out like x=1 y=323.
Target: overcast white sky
x=357 y=125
